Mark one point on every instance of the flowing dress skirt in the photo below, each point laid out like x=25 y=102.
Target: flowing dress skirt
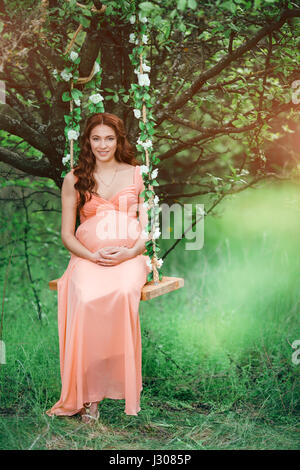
x=99 y=328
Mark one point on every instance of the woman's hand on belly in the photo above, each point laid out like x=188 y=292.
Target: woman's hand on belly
x=110 y=256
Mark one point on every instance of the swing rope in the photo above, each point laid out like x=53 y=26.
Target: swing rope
x=83 y=80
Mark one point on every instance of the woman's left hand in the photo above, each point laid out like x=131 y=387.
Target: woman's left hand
x=115 y=255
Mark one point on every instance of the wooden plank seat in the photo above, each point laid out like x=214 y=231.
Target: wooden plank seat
x=149 y=291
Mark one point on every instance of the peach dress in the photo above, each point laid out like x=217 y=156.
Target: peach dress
x=98 y=308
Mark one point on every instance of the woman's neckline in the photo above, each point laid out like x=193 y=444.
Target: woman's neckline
x=113 y=197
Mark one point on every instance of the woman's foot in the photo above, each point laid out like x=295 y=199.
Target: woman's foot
x=90 y=413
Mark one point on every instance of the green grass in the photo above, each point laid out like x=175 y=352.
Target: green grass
x=217 y=356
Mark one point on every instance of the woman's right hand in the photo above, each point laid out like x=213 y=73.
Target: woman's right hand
x=99 y=257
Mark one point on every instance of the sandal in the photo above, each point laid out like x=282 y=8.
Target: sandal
x=86 y=414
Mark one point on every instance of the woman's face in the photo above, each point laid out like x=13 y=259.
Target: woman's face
x=103 y=141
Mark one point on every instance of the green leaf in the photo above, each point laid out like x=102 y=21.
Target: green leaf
x=66 y=96
x=147 y=7
x=181 y=4
x=67 y=119
x=76 y=94
x=84 y=21
x=230 y=6
x=192 y=4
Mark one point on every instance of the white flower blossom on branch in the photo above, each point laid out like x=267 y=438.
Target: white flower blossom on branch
x=66 y=75
x=96 y=98
x=73 y=135
x=146 y=144
x=156 y=234
x=73 y=56
x=133 y=39
x=143 y=79
x=66 y=158
x=154 y=173
x=143 y=19
x=146 y=68
x=144 y=169
x=132 y=19
x=156 y=200
x=137 y=113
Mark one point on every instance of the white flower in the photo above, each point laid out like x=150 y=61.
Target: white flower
x=144 y=169
x=144 y=79
x=66 y=158
x=96 y=98
x=137 y=113
x=156 y=233
x=132 y=19
x=96 y=68
x=133 y=39
x=73 y=135
x=147 y=144
x=77 y=102
x=145 y=38
x=73 y=56
x=66 y=75
x=160 y=262
x=146 y=68
x=156 y=200
x=143 y=19
x=149 y=264
x=154 y=173
x=55 y=72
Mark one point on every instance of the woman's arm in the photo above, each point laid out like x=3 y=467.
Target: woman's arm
x=68 y=219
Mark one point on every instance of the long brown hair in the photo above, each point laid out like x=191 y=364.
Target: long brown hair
x=84 y=170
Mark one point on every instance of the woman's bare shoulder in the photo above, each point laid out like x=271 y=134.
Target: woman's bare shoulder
x=126 y=166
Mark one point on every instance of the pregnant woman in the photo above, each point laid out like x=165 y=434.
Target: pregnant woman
x=99 y=293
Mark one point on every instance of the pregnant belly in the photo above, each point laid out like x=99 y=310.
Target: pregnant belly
x=108 y=228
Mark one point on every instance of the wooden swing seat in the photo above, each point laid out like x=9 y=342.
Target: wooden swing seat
x=149 y=291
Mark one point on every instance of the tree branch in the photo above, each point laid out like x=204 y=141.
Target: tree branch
x=206 y=132
x=31 y=166
x=12 y=122
x=222 y=64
